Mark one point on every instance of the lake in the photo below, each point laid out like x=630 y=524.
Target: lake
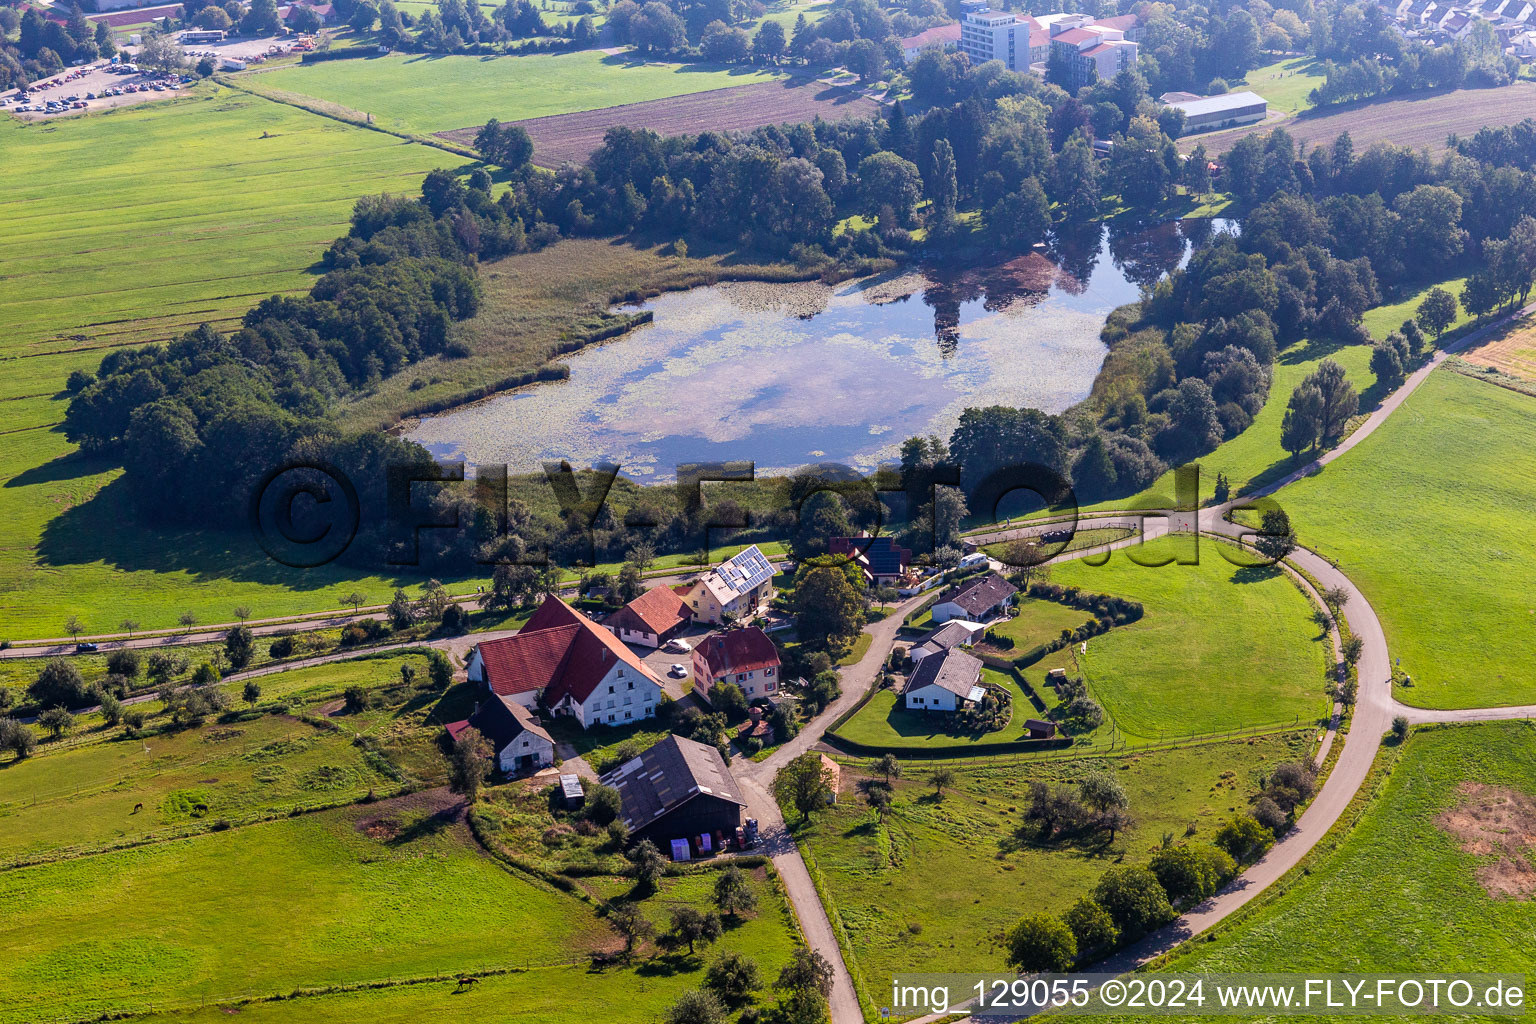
x=787 y=375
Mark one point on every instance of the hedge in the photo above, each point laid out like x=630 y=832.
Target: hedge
x=857 y=749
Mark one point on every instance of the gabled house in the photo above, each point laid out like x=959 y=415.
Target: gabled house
x=651 y=619
x=572 y=666
x=944 y=682
x=954 y=633
x=518 y=742
x=746 y=657
x=734 y=589
x=677 y=790
x=976 y=600
x=884 y=561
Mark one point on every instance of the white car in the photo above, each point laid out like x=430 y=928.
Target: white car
x=677 y=646
x=677 y=671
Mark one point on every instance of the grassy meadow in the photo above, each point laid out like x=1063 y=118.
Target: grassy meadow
x=1220 y=646
x=174 y=213
x=84 y=797
x=392 y=889
x=641 y=990
x=886 y=721
x=1430 y=516
x=938 y=883
x=1400 y=893
x=1284 y=84
x=422 y=94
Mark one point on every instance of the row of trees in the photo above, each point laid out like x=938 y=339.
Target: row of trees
x=44 y=47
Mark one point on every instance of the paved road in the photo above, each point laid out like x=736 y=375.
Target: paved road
x=757 y=784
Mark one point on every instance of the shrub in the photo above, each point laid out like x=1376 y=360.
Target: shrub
x=1268 y=813
x=59 y=684
x=57 y=721
x=1134 y=899
x=1191 y=873
x=603 y=804
x=282 y=647
x=1244 y=838
x=1041 y=942
x=124 y=661
x=1091 y=926
x=16 y=738
x=357 y=699
x=1399 y=728
x=733 y=977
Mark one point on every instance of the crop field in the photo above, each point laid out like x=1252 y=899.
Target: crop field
x=1220 y=647
x=940 y=879
x=1416 y=888
x=1422 y=120
x=1511 y=351
x=1430 y=515
x=563 y=138
x=426 y=94
x=85 y=797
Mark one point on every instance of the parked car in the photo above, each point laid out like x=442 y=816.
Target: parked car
x=677 y=646
x=677 y=671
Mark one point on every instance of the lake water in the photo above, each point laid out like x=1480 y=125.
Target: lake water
x=787 y=375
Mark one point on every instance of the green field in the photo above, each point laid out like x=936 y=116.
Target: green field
x=426 y=94
x=937 y=883
x=555 y=995
x=84 y=797
x=1399 y=895
x=1037 y=622
x=1430 y=516
x=302 y=901
x=1285 y=84
x=1254 y=458
x=1220 y=647
x=128 y=227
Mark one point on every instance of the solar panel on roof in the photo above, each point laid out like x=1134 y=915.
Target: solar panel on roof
x=746 y=570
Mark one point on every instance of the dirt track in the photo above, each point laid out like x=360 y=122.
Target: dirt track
x=1416 y=121
x=573 y=137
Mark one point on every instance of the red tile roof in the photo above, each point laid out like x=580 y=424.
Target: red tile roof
x=1123 y=22
x=933 y=37
x=1075 y=36
x=738 y=650
x=559 y=649
x=657 y=611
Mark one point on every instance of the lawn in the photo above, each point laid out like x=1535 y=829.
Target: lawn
x=84 y=797
x=1430 y=516
x=425 y=94
x=1400 y=894
x=643 y=990
x=886 y=722
x=938 y=882
x=1038 y=622
x=1285 y=84
x=1220 y=647
x=387 y=890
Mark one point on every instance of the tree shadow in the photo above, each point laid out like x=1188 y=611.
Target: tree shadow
x=1255 y=574
x=73 y=466
x=670 y=964
x=427 y=826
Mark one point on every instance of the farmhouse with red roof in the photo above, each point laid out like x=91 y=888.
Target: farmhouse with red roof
x=569 y=664
x=651 y=619
x=745 y=657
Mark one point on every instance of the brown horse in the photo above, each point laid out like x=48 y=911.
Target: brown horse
x=137 y=808
x=466 y=982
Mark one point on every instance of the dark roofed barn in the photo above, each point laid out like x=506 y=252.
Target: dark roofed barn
x=677 y=789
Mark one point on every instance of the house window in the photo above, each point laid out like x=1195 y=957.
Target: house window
x=610 y=718
x=631 y=685
x=647 y=710
x=768 y=671
x=769 y=687
x=627 y=701
x=610 y=703
x=740 y=676
x=610 y=689
x=626 y=715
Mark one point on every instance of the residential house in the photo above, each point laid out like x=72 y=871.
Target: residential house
x=651 y=619
x=561 y=659
x=976 y=600
x=937 y=38
x=746 y=657
x=678 y=789
x=518 y=742
x=944 y=682
x=732 y=590
x=885 y=563
x=954 y=633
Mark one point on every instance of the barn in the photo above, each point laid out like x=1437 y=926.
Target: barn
x=678 y=789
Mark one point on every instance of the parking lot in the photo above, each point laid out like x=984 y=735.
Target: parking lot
x=91 y=87
x=661 y=662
